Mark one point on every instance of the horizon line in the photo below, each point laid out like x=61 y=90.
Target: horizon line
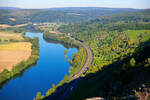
x=73 y=7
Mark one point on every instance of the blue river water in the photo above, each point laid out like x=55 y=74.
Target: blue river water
x=50 y=69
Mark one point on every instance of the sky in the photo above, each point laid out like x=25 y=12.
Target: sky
x=140 y=4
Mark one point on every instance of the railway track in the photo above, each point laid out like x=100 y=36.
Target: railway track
x=64 y=91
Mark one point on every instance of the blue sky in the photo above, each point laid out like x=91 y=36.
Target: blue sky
x=141 y=4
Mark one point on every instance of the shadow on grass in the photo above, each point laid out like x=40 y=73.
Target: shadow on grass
x=117 y=81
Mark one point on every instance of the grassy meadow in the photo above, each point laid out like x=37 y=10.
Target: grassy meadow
x=135 y=34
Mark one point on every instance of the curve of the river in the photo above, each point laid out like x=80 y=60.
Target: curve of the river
x=50 y=69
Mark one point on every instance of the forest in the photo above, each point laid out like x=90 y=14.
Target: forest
x=120 y=68
x=120 y=45
x=15 y=16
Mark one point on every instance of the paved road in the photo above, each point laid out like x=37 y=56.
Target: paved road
x=65 y=90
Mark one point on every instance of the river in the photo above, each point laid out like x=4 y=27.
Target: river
x=50 y=69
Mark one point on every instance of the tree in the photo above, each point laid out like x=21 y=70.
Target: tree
x=124 y=66
x=148 y=60
x=66 y=51
x=66 y=57
x=39 y=96
x=132 y=62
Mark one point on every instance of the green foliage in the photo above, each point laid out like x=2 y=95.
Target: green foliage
x=49 y=92
x=120 y=22
x=77 y=61
x=116 y=80
x=148 y=60
x=66 y=51
x=13 y=30
x=113 y=40
x=132 y=62
x=111 y=37
x=117 y=42
x=4 y=75
x=59 y=38
x=65 y=15
x=20 y=67
x=39 y=96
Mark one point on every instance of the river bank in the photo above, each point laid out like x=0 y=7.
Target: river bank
x=42 y=75
x=18 y=69
x=79 y=60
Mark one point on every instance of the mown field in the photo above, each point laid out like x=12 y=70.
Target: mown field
x=13 y=49
x=7 y=26
x=13 y=53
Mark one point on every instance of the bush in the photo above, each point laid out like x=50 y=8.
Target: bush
x=132 y=62
x=39 y=96
x=20 y=67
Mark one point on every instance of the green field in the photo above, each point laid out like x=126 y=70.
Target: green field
x=135 y=34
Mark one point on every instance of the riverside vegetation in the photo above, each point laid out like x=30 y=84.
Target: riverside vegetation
x=120 y=45
x=76 y=63
x=6 y=75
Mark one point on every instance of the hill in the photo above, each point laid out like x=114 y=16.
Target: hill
x=9 y=8
x=64 y=15
x=120 y=45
